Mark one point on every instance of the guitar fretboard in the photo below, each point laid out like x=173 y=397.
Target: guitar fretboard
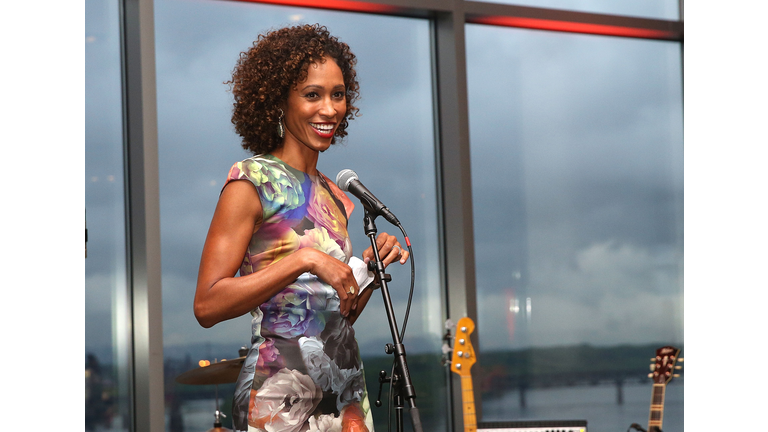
x=468 y=400
x=657 y=407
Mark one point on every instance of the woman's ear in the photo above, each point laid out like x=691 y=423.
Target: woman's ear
x=282 y=106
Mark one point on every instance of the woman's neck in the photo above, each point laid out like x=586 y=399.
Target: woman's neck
x=299 y=157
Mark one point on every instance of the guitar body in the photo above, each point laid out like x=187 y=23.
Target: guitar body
x=461 y=362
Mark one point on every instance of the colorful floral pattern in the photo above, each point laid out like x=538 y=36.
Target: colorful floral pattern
x=303 y=370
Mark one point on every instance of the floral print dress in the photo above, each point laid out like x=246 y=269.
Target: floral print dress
x=303 y=370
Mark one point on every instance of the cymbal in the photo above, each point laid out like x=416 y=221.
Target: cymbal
x=223 y=372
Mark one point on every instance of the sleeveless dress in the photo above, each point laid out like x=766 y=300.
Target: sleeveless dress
x=303 y=370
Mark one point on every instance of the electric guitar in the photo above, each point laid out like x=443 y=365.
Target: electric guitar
x=462 y=359
x=663 y=367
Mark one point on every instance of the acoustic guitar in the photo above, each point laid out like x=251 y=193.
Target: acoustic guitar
x=462 y=359
x=663 y=367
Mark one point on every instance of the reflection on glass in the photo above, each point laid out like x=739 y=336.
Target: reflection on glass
x=107 y=405
x=658 y=9
x=576 y=146
x=391 y=147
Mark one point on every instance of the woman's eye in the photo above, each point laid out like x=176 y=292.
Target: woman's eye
x=311 y=95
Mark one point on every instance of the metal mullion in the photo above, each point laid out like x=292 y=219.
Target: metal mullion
x=455 y=181
x=142 y=212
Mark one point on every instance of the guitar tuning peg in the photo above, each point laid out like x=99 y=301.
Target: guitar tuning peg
x=676 y=375
x=446 y=349
x=653 y=367
x=680 y=359
x=678 y=367
x=653 y=359
x=650 y=375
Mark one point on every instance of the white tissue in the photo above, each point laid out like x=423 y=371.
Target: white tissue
x=360 y=270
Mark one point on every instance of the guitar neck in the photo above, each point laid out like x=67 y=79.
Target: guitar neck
x=461 y=361
x=657 y=408
x=468 y=400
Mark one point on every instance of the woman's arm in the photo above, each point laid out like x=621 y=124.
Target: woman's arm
x=220 y=296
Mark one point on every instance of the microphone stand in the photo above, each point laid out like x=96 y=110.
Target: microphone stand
x=400 y=383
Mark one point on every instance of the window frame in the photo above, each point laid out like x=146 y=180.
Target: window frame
x=448 y=19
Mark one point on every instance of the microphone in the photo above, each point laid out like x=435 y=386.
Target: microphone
x=347 y=181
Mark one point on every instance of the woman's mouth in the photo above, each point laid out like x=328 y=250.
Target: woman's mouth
x=325 y=130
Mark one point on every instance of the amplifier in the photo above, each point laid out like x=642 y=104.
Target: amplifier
x=534 y=426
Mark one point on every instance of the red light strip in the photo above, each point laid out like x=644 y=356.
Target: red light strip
x=576 y=27
x=343 y=5
x=505 y=21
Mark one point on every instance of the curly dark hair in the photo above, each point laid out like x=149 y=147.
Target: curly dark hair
x=276 y=63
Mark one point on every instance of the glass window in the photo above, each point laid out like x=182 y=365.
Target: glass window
x=576 y=144
x=391 y=147
x=658 y=9
x=107 y=313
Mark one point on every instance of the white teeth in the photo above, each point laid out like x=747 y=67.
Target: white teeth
x=325 y=128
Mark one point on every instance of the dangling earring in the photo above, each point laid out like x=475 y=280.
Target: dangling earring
x=280 y=128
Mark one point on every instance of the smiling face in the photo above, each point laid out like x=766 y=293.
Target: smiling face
x=315 y=108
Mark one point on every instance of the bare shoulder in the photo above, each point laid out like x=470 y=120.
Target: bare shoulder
x=239 y=202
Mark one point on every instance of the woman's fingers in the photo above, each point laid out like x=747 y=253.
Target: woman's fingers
x=390 y=250
x=339 y=276
x=403 y=254
x=347 y=289
x=350 y=297
x=394 y=254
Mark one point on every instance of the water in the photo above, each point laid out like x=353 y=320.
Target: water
x=595 y=404
x=199 y=415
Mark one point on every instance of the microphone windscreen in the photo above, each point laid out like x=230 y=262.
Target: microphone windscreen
x=344 y=177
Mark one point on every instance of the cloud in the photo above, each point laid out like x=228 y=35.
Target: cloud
x=577 y=187
x=606 y=293
x=575 y=156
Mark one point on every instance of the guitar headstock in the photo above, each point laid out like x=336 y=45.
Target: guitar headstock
x=664 y=365
x=463 y=354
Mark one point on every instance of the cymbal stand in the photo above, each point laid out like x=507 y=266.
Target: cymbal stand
x=217 y=415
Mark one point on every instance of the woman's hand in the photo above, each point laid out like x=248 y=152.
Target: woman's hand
x=389 y=250
x=335 y=273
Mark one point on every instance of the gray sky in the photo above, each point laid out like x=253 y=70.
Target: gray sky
x=576 y=155
x=577 y=163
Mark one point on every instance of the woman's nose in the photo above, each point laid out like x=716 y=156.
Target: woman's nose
x=328 y=108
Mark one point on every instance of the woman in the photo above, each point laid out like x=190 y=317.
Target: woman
x=284 y=225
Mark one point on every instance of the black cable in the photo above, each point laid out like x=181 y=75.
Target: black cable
x=413 y=279
x=391 y=400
